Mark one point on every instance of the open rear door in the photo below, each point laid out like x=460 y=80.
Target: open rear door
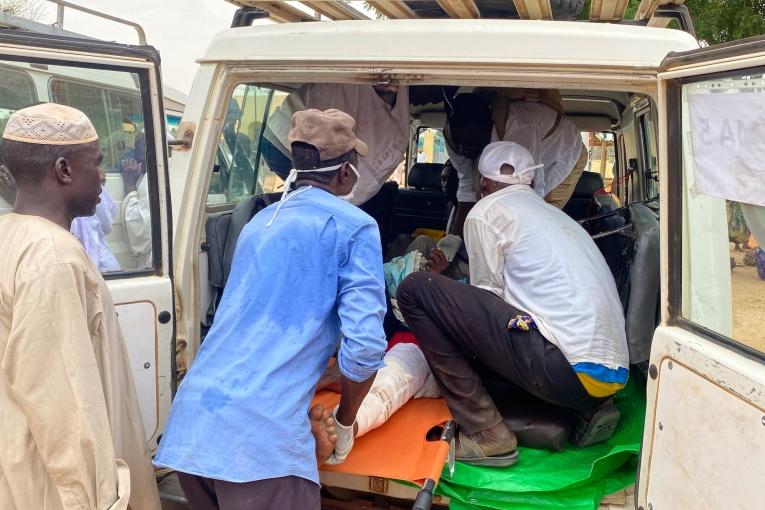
x=118 y=87
x=704 y=441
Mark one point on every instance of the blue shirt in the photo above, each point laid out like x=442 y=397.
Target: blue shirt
x=296 y=288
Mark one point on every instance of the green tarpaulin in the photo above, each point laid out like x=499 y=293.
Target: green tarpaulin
x=574 y=479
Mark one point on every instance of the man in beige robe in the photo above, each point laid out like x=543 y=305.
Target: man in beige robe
x=72 y=436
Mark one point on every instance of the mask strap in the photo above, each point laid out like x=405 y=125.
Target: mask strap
x=291 y=178
x=529 y=169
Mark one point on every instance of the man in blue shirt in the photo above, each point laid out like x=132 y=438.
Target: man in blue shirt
x=306 y=277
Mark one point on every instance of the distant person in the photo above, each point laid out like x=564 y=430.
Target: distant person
x=91 y=231
x=136 y=209
x=72 y=435
x=552 y=139
x=382 y=113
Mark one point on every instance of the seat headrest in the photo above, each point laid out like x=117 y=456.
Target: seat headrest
x=425 y=176
x=588 y=184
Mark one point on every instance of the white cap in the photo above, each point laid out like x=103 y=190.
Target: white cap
x=50 y=124
x=497 y=154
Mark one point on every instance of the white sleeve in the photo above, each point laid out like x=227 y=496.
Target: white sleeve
x=136 y=216
x=487 y=261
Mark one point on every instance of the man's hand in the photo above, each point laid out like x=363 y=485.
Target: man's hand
x=437 y=262
x=345 y=435
x=131 y=172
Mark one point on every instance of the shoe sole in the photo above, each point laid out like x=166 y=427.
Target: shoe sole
x=600 y=428
x=495 y=461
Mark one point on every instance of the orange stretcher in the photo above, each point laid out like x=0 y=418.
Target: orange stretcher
x=401 y=448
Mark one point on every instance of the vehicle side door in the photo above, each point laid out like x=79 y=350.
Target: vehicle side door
x=119 y=88
x=704 y=438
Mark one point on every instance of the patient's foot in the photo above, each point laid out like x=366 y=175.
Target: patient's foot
x=330 y=379
x=323 y=430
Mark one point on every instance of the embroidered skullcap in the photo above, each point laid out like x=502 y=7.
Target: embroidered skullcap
x=50 y=124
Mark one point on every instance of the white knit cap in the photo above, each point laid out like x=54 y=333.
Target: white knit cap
x=50 y=124
x=497 y=154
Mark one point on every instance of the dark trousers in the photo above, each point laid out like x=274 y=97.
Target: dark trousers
x=459 y=326
x=286 y=493
x=380 y=207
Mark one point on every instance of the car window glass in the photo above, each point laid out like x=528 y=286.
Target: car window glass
x=118 y=237
x=723 y=263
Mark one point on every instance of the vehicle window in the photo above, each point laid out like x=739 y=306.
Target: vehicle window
x=650 y=156
x=17 y=90
x=119 y=236
x=431 y=146
x=241 y=167
x=723 y=194
x=602 y=155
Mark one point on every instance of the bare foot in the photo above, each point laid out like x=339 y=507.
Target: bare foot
x=330 y=379
x=323 y=430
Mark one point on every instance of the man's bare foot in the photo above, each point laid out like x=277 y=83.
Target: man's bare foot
x=330 y=379
x=323 y=430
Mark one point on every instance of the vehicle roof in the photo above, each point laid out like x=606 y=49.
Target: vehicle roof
x=281 y=11
x=451 y=41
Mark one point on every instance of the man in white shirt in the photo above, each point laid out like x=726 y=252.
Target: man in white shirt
x=541 y=311
x=383 y=119
x=136 y=210
x=520 y=116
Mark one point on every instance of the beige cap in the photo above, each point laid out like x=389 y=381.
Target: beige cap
x=330 y=131
x=50 y=124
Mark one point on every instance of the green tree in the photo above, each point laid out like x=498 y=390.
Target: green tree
x=29 y=9
x=719 y=21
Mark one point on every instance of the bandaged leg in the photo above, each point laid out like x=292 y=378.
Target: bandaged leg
x=403 y=376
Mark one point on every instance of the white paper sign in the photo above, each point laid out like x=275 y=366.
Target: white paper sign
x=728 y=134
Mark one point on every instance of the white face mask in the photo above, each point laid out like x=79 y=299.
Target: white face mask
x=352 y=193
x=292 y=177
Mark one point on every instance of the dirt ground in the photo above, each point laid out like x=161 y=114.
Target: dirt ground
x=748 y=304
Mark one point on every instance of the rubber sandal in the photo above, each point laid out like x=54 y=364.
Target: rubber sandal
x=597 y=429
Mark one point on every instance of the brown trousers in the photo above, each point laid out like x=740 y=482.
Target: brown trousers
x=285 y=493
x=561 y=194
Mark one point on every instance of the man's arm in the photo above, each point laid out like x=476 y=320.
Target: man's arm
x=361 y=307
x=136 y=218
x=487 y=259
x=53 y=376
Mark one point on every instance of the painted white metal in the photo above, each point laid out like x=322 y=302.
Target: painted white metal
x=136 y=322
x=705 y=426
x=450 y=40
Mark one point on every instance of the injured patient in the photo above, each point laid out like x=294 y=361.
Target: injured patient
x=405 y=376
